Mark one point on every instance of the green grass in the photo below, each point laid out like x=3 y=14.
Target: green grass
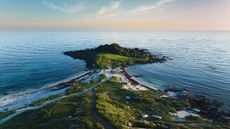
x=118 y=114
x=111 y=102
x=79 y=87
x=56 y=116
x=126 y=113
x=112 y=60
x=114 y=57
x=39 y=102
x=63 y=109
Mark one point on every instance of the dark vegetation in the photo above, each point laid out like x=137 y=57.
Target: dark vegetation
x=4 y=114
x=79 y=87
x=122 y=108
x=99 y=58
x=71 y=112
x=125 y=109
x=123 y=112
x=39 y=102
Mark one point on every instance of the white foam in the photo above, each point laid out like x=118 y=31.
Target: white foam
x=23 y=99
x=15 y=102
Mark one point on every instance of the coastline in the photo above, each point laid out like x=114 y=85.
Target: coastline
x=111 y=70
x=135 y=81
x=24 y=99
x=132 y=84
x=27 y=97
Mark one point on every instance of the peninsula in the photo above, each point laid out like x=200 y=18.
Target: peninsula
x=109 y=98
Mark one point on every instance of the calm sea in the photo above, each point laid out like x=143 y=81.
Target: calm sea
x=200 y=59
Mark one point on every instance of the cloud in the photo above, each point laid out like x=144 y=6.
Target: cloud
x=66 y=8
x=112 y=9
x=109 y=9
x=159 y=4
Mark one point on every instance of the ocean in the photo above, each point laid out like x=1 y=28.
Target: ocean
x=199 y=60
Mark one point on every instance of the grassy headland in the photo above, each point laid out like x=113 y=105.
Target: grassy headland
x=121 y=108
x=114 y=55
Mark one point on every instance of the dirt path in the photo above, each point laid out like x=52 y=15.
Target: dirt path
x=97 y=116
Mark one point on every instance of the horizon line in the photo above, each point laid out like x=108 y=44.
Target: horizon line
x=103 y=29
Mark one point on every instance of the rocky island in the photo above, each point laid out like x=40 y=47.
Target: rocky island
x=108 y=97
x=114 y=55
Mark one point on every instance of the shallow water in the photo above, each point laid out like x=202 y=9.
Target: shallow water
x=200 y=59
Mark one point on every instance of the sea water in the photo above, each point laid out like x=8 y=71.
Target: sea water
x=199 y=60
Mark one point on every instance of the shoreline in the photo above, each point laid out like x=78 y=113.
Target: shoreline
x=24 y=98
x=22 y=101
x=205 y=105
x=133 y=84
x=133 y=81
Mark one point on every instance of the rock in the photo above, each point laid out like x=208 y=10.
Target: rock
x=181 y=93
x=156 y=117
x=138 y=76
x=130 y=124
x=127 y=97
x=144 y=115
x=175 y=89
x=5 y=93
x=208 y=108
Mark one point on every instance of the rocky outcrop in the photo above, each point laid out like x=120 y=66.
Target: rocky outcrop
x=90 y=55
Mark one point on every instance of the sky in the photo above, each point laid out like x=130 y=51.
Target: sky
x=115 y=14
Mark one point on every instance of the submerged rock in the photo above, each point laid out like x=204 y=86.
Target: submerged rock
x=208 y=108
x=199 y=103
x=181 y=93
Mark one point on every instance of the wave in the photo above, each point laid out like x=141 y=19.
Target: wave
x=24 y=98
